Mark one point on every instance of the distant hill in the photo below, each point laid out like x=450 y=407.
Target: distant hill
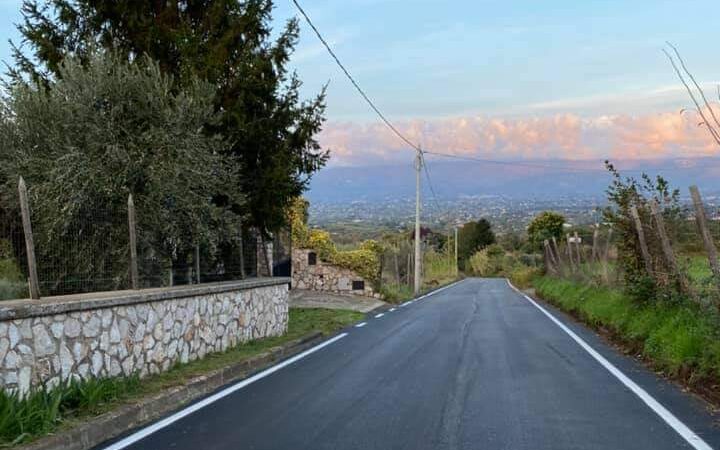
x=454 y=179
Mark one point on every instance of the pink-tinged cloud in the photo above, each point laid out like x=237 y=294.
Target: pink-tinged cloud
x=562 y=136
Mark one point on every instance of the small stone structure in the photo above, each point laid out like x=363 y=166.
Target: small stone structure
x=309 y=272
x=122 y=333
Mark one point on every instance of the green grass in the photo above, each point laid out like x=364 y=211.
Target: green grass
x=679 y=339
x=46 y=410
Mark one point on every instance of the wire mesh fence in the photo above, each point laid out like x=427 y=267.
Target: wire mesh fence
x=89 y=250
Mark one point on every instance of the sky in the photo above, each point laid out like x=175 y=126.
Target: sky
x=513 y=79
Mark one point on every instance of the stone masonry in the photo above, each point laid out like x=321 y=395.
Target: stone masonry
x=323 y=276
x=144 y=332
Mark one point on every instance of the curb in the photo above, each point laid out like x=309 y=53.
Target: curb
x=127 y=417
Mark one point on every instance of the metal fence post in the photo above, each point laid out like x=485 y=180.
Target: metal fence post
x=29 y=242
x=133 y=244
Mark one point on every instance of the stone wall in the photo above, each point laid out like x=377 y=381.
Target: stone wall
x=323 y=276
x=121 y=333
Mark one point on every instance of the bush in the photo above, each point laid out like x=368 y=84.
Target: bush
x=43 y=409
x=522 y=276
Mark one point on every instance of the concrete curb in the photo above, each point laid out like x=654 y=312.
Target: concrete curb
x=127 y=417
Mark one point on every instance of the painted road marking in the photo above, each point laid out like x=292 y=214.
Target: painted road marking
x=361 y=324
x=147 y=431
x=377 y=316
x=392 y=309
x=693 y=439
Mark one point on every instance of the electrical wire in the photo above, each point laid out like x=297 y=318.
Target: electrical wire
x=354 y=83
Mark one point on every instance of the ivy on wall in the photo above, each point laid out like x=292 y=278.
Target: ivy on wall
x=365 y=261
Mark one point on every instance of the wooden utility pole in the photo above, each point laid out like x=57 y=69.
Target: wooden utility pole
x=701 y=220
x=418 y=254
x=666 y=247
x=29 y=242
x=641 y=239
x=134 y=284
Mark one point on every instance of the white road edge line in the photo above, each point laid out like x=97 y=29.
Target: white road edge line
x=361 y=324
x=147 y=431
x=686 y=433
x=377 y=316
x=391 y=309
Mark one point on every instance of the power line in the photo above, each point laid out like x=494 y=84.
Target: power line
x=540 y=165
x=430 y=185
x=352 y=80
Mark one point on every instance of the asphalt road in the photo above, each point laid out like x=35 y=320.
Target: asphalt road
x=476 y=366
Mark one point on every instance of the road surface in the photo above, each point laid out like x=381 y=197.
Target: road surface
x=476 y=366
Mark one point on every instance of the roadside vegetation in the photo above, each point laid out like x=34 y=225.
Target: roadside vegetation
x=682 y=340
x=44 y=411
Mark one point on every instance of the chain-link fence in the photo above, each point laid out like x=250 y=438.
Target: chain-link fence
x=91 y=250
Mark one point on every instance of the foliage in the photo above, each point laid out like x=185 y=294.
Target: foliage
x=365 y=260
x=522 y=276
x=677 y=338
x=546 y=225
x=12 y=285
x=623 y=193
x=226 y=43
x=40 y=411
x=473 y=236
x=128 y=129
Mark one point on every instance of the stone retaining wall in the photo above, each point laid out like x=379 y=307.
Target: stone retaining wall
x=323 y=276
x=121 y=333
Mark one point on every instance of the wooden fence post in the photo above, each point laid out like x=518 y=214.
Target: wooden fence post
x=557 y=252
x=570 y=252
x=29 y=241
x=242 y=254
x=666 y=247
x=596 y=232
x=197 y=263
x=701 y=220
x=641 y=238
x=133 y=244
x=606 y=254
x=578 y=249
x=550 y=262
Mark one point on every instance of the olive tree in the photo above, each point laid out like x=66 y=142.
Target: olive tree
x=104 y=129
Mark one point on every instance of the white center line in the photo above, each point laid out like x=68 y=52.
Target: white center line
x=361 y=324
x=693 y=439
x=377 y=316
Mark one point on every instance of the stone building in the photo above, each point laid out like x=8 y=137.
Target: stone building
x=309 y=272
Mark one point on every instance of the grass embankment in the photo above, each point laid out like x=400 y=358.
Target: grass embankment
x=44 y=411
x=680 y=340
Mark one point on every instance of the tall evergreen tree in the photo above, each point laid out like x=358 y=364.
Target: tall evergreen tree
x=224 y=42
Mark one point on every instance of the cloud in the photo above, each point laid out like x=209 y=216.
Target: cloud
x=565 y=136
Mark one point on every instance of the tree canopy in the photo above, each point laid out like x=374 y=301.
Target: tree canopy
x=546 y=225
x=226 y=43
x=104 y=129
x=473 y=236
